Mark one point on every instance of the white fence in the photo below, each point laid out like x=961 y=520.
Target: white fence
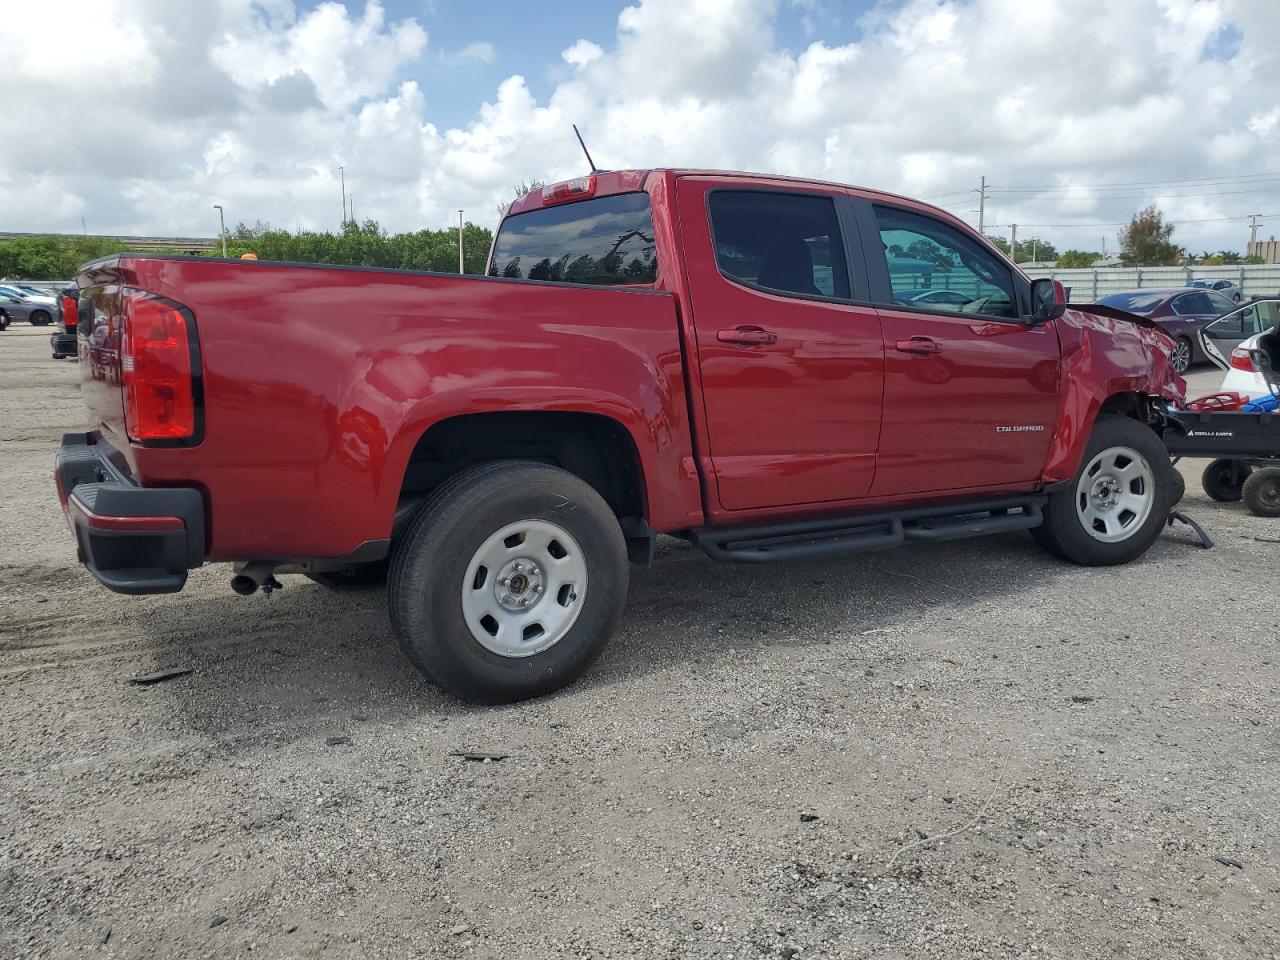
x=1086 y=286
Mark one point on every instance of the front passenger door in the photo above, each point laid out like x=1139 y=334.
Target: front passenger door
x=971 y=388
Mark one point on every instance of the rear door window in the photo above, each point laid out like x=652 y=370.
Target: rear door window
x=785 y=243
x=1219 y=303
x=1192 y=303
x=606 y=241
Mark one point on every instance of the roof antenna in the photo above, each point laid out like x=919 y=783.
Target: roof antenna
x=584 y=149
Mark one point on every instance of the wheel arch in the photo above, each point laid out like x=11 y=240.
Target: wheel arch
x=597 y=448
x=1074 y=429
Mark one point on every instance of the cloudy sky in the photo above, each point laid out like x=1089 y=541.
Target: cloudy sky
x=137 y=115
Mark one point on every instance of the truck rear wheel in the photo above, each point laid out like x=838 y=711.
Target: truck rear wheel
x=1116 y=505
x=509 y=581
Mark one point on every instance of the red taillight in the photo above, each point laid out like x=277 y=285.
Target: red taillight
x=155 y=362
x=1240 y=360
x=578 y=189
x=69 y=311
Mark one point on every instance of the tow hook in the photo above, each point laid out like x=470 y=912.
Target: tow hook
x=254 y=576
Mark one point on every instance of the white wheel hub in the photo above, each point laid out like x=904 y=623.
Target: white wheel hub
x=1115 y=494
x=524 y=588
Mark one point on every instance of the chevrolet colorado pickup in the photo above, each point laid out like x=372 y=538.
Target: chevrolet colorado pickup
x=743 y=361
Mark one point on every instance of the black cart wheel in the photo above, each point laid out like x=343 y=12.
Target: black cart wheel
x=1223 y=480
x=1262 y=492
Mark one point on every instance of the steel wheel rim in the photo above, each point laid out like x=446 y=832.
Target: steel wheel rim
x=1181 y=356
x=524 y=588
x=1269 y=492
x=1115 y=494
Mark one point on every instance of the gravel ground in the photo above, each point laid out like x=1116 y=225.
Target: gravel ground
x=733 y=779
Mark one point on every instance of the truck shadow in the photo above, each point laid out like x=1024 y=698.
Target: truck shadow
x=309 y=659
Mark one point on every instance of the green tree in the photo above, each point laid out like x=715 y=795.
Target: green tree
x=518 y=191
x=1076 y=259
x=1146 y=241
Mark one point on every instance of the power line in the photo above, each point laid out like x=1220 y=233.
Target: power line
x=1033 y=195
x=1125 y=223
x=1149 y=183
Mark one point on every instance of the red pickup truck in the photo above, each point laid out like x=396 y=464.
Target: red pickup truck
x=768 y=367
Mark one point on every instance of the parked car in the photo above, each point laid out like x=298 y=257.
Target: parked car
x=1179 y=312
x=13 y=307
x=715 y=356
x=1232 y=343
x=15 y=290
x=947 y=297
x=1229 y=289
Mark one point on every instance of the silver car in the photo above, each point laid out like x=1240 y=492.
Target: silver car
x=1227 y=288
x=38 y=313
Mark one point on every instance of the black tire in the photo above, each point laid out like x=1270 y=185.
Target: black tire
x=1179 y=487
x=40 y=318
x=360 y=577
x=4 y=320
x=1183 y=355
x=1063 y=532
x=1223 y=479
x=429 y=566
x=1262 y=492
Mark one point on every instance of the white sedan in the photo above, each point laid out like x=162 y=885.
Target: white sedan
x=1242 y=339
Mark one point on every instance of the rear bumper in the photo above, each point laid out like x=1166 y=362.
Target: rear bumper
x=132 y=539
x=63 y=344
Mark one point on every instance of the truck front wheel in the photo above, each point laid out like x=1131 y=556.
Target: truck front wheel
x=1117 y=504
x=509 y=581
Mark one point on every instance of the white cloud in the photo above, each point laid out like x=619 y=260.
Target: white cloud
x=254 y=105
x=482 y=51
x=582 y=53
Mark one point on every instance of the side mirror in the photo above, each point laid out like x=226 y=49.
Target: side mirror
x=1048 y=300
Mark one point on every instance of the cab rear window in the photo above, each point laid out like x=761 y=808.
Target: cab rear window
x=605 y=241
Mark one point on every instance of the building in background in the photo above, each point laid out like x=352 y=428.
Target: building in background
x=1267 y=250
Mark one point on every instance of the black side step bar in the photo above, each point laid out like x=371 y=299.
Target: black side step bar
x=859 y=533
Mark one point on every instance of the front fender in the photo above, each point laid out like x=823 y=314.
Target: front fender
x=1105 y=357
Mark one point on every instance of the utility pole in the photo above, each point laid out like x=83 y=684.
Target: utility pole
x=1253 y=228
x=1013 y=242
x=460 y=266
x=1104 y=246
x=1035 y=247
x=343 y=178
x=351 y=207
x=982 y=204
x=222 y=229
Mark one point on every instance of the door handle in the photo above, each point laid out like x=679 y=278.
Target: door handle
x=922 y=346
x=747 y=334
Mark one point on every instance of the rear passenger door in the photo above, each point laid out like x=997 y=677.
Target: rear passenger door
x=971 y=388
x=789 y=351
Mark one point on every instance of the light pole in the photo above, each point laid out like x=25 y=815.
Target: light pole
x=222 y=229
x=461 y=269
x=343 y=178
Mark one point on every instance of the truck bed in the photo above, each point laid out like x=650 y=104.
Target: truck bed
x=317 y=382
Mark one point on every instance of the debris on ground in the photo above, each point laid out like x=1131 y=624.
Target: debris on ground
x=147 y=679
